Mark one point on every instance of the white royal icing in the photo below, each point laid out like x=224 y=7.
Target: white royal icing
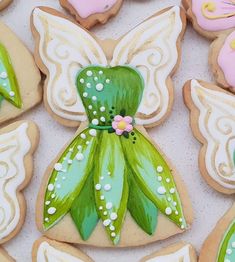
x=182 y=255
x=217 y=125
x=14 y=146
x=151 y=47
x=48 y=253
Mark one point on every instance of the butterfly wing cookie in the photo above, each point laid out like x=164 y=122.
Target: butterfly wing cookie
x=45 y=250
x=92 y=12
x=17 y=144
x=213 y=124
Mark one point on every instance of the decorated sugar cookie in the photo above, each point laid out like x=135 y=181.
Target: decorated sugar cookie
x=211 y=17
x=222 y=60
x=4 y=256
x=111 y=185
x=180 y=252
x=220 y=244
x=213 y=124
x=17 y=144
x=45 y=250
x=4 y=3
x=19 y=82
x=91 y=12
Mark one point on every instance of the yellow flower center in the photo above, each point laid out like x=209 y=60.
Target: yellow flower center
x=122 y=125
x=232 y=44
x=210 y=6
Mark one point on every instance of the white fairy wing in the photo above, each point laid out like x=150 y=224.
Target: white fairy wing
x=216 y=123
x=64 y=48
x=152 y=48
x=14 y=146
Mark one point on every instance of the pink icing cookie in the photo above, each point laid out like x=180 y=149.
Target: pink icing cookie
x=211 y=16
x=90 y=12
x=222 y=59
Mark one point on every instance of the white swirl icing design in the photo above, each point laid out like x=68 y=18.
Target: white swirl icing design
x=14 y=146
x=48 y=253
x=151 y=47
x=217 y=125
x=181 y=255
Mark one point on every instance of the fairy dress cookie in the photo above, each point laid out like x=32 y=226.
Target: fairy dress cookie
x=19 y=83
x=17 y=144
x=213 y=124
x=4 y=256
x=4 y=3
x=220 y=244
x=177 y=253
x=110 y=185
x=211 y=17
x=89 y=13
x=45 y=250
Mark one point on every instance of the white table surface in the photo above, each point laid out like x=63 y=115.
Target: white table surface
x=174 y=136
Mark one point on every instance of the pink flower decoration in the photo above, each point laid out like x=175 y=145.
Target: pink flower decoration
x=122 y=124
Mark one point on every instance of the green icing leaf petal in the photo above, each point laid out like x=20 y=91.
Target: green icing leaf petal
x=83 y=210
x=141 y=208
x=69 y=176
x=9 y=87
x=153 y=176
x=111 y=186
x=227 y=246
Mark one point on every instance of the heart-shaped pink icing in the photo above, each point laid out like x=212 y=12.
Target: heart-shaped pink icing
x=85 y=8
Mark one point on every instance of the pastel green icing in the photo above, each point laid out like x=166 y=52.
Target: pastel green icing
x=102 y=175
x=9 y=88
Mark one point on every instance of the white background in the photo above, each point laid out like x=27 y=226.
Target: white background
x=174 y=136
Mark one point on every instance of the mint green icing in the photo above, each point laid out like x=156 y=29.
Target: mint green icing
x=9 y=88
x=102 y=175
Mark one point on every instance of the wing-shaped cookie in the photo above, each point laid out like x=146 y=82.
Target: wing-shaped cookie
x=17 y=144
x=213 y=124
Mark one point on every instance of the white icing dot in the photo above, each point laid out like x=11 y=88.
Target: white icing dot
x=101 y=178
x=53 y=196
x=102 y=109
x=168 y=180
x=12 y=93
x=113 y=216
x=88 y=85
x=90 y=107
x=56 y=179
x=229 y=251
x=161 y=190
x=180 y=219
x=83 y=136
x=107 y=81
x=102 y=119
x=169 y=199
x=70 y=161
x=175 y=204
x=95 y=122
x=47 y=203
x=71 y=150
x=168 y=211
x=93 y=132
x=79 y=147
x=233 y=244
x=47 y=219
x=105 y=213
x=176 y=212
x=85 y=94
x=182 y=227
x=159 y=178
x=87 y=142
x=106 y=222
x=99 y=87
x=113 y=234
x=109 y=173
x=107 y=187
x=58 y=166
x=58 y=186
x=101 y=72
x=96 y=78
x=98 y=187
x=109 y=205
x=3 y=75
x=95 y=113
x=89 y=73
x=63 y=177
x=51 y=210
x=82 y=81
x=94 y=98
x=172 y=190
x=159 y=169
x=50 y=187
x=101 y=197
x=100 y=208
x=80 y=156
x=112 y=228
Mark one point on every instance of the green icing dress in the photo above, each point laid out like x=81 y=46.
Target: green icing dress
x=111 y=168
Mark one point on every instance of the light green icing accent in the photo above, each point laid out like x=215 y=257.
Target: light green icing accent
x=227 y=247
x=9 y=87
x=111 y=173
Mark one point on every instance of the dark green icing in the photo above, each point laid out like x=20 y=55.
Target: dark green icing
x=102 y=175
